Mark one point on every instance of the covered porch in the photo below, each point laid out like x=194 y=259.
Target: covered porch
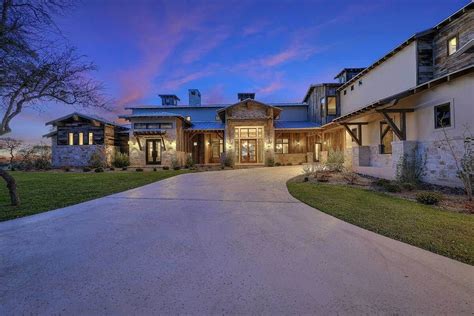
x=205 y=143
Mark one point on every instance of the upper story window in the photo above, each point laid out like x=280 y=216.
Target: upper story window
x=331 y=107
x=442 y=115
x=152 y=125
x=352 y=87
x=345 y=92
x=453 y=45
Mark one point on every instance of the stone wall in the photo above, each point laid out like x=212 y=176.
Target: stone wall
x=294 y=159
x=78 y=156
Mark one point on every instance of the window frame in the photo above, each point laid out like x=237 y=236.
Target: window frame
x=282 y=141
x=90 y=138
x=81 y=139
x=382 y=150
x=70 y=139
x=448 y=104
x=327 y=105
x=160 y=125
x=448 y=45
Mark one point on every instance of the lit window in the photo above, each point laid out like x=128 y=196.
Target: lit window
x=71 y=139
x=81 y=139
x=332 y=110
x=452 y=45
x=386 y=138
x=281 y=146
x=91 y=138
x=442 y=115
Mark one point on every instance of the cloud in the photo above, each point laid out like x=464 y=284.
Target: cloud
x=204 y=43
x=176 y=83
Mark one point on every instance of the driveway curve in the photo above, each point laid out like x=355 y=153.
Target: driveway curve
x=227 y=242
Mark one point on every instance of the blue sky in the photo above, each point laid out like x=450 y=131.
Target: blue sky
x=273 y=48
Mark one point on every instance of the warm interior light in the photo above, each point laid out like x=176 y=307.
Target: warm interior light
x=195 y=143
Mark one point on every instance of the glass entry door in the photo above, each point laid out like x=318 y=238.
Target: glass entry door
x=153 y=151
x=248 y=150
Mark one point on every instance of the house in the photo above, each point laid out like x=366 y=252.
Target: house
x=250 y=130
x=76 y=137
x=398 y=109
x=401 y=106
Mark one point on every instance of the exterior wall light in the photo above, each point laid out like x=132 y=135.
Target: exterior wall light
x=195 y=143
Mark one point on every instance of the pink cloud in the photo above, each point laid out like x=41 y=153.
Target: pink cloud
x=174 y=84
x=204 y=44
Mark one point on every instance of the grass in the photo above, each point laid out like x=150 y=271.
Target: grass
x=44 y=191
x=446 y=233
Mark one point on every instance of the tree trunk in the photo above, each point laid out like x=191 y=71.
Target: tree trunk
x=11 y=185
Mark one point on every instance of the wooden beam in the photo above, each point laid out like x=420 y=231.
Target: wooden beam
x=358 y=141
x=138 y=141
x=401 y=134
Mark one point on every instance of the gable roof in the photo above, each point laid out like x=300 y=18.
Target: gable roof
x=222 y=110
x=85 y=116
x=414 y=37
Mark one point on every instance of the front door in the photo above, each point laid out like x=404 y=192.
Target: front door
x=153 y=151
x=248 y=150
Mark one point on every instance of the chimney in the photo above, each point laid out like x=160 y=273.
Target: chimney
x=169 y=99
x=194 y=97
x=245 y=95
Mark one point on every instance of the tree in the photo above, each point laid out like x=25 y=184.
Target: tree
x=35 y=69
x=12 y=145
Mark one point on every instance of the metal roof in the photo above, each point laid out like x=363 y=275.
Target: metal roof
x=151 y=114
x=206 y=126
x=216 y=106
x=87 y=117
x=295 y=125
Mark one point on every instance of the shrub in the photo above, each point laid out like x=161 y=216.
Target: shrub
x=430 y=198
x=86 y=169
x=124 y=168
x=381 y=182
x=277 y=164
x=411 y=169
x=154 y=169
x=112 y=169
x=97 y=159
x=166 y=168
x=227 y=159
x=289 y=164
x=392 y=187
x=176 y=168
x=100 y=169
x=66 y=169
x=408 y=186
x=335 y=161
x=121 y=160
x=270 y=162
x=189 y=161
x=139 y=170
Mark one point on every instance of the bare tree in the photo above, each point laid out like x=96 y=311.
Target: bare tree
x=12 y=145
x=35 y=69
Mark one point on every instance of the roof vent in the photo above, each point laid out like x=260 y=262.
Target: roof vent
x=245 y=95
x=194 y=97
x=169 y=99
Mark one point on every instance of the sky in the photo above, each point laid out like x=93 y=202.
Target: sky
x=274 y=48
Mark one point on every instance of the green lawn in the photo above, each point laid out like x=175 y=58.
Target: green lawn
x=44 y=191
x=443 y=232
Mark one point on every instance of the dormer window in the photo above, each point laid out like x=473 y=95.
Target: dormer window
x=453 y=45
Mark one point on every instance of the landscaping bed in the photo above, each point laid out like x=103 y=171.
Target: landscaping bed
x=395 y=215
x=46 y=190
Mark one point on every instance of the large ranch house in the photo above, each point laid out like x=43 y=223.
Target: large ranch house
x=400 y=107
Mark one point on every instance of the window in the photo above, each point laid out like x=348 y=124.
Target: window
x=442 y=115
x=91 y=138
x=360 y=82
x=386 y=138
x=452 y=45
x=152 y=125
x=345 y=92
x=70 y=139
x=352 y=87
x=331 y=108
x=281 y=145
x=322 y=101
x=81 y=139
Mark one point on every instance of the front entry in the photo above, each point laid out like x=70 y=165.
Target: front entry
x=153 y=151
x=248 y=150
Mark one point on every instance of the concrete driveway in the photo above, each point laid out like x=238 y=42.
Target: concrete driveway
x=212 y=243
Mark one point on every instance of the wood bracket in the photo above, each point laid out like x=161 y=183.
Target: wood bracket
x=402 y=131
x=357 y=138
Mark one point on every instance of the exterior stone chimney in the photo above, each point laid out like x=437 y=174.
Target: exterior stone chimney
x=194 y=97
x=245 y=95
x=169 y=99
